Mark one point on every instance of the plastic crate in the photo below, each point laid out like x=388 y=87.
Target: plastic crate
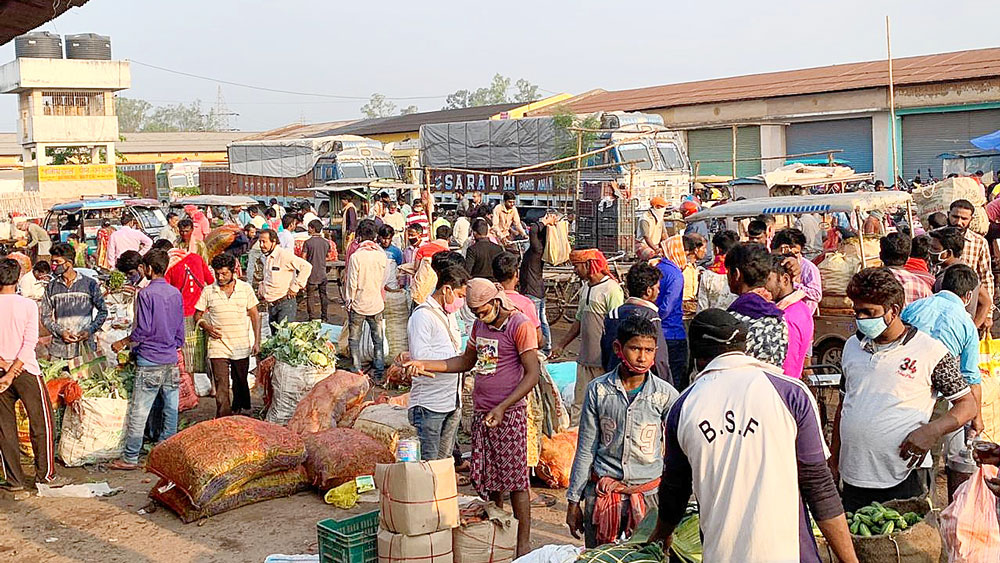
x=352 y=540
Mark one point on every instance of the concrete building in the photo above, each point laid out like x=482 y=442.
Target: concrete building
x=942 y=101
x=67 y=127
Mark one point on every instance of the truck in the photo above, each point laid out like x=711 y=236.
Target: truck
x=631 y=158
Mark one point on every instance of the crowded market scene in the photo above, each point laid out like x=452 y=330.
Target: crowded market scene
x=599 y=327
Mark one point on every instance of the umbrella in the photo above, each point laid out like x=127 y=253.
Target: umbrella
x=988 y=142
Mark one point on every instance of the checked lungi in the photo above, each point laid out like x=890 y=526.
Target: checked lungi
x=500 y=455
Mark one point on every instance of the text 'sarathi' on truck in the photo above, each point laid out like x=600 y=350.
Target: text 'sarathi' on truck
x=643 y=160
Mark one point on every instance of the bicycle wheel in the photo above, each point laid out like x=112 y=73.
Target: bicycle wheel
x=571 y=300
x=553 y=305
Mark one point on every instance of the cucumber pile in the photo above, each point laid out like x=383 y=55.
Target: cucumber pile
x=877 y=520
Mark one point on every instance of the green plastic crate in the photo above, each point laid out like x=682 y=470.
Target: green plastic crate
x=352 y=540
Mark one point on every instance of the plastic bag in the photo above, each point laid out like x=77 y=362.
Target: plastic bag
x=557 y=244
x=969 y=524
x=423 y=282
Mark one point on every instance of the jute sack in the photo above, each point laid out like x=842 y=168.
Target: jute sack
x=920 y=543
x=417 y=497
x=385 y=423
x=835 y=273
x=493 y=540
x=290 y=385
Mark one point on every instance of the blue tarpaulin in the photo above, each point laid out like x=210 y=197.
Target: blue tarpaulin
x=988 y=142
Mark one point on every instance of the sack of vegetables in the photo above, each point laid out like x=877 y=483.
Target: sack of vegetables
x=304 y=357
x=898 y=530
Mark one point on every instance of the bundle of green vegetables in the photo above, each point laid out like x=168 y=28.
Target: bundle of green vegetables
x=300 y=344
x=51 y=369
x=115 y=281
x=111 y=383
x=877 y=520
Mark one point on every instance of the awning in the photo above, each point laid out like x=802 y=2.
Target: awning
x=219 y=200
x=988 y=142
x=798 y=204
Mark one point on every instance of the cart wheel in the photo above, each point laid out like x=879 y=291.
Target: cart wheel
x=830 y=352
x=553 y=306
x=340 y=293
x=571 y=297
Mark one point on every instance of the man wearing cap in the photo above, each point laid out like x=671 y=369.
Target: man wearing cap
x=739 y=437
x=601 y=294
x=503 y=349
x=652 y=233
x=689 y=208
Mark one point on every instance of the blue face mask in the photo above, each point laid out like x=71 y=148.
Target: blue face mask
x=872 y=328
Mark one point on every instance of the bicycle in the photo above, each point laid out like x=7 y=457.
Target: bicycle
x=562 y=294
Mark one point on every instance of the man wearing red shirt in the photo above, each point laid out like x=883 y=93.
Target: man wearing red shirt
x=189 y=273
x=439 y=244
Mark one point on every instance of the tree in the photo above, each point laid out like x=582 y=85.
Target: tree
x=495 y=93
x=131 y=113
x=378 y=106
x=408 y=110
x=140 y=115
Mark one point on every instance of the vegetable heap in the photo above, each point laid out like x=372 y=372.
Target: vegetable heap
x=116 y=281
x=877 y=520
x=300 y=344
x=113 y=383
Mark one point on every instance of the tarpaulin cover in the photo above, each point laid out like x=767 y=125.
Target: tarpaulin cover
x=988 y=142
x=489 y=144
x=278 y=159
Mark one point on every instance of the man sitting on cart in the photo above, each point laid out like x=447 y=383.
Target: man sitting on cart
x=652 y=233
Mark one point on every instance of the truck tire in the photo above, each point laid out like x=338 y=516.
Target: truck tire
x=830 y=351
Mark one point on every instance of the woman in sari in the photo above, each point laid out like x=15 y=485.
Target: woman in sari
x=103 y=236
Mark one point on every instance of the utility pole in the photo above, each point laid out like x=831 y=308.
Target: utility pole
x=892 y=107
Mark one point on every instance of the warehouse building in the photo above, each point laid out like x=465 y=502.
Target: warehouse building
x=942 y=101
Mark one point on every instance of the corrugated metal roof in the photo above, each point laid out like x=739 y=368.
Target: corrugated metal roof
x=21 y=16
x=296 y=131
x=925 y=69
x=413 y=121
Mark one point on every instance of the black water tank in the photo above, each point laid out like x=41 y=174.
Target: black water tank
x=38 y=45
x=88 y=46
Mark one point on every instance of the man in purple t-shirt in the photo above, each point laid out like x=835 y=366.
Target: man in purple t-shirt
x=157 y=337
x=503 y=349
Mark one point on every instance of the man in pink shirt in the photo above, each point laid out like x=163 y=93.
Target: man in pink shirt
x=21 y=379
x=798 y=318
x=127 y=238
x=201 y=225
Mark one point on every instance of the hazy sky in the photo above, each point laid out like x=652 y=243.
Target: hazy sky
x=432 y=48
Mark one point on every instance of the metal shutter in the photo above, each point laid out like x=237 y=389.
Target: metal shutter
x=926 y=135
x=717 y=144
x=853 y=136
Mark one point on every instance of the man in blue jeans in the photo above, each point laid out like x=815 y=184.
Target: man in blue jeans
x=157 y=336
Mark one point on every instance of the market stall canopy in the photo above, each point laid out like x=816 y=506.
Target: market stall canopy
x=360 y=186
x=218 y=200
x=988 y=142
x=808 y=175
x=798 y=204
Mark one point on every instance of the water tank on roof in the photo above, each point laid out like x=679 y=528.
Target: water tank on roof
x=88 y=46
x=38 y=45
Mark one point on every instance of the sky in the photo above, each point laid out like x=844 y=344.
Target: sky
x=423 y=51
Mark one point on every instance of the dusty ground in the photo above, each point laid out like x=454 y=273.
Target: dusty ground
x=112 y=529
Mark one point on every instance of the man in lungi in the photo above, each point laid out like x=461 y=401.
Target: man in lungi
x=503 y=349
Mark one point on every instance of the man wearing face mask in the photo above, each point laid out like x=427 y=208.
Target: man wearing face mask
x=433 y=334
x=652 y=232
x=944 y=316
x=976 y=253
x=503 y=348
x=946 y=247
x=893 y=374
x=618 y=459
x=73 y=308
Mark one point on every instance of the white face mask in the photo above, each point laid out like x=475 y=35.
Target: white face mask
x=659 y=212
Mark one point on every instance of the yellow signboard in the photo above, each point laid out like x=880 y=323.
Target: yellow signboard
x=76 y=172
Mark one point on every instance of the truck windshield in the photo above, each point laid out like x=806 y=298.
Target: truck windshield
x=352 y=170
x=385 y=170
x=638 y=152
x=670 y=155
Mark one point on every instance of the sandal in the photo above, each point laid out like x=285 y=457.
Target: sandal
x=122 y=465
x=543 y=500
x=463 y=480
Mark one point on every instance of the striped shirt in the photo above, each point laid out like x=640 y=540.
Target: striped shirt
x=229 y=315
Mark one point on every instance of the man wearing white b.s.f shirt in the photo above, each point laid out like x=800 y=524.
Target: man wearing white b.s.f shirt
x=747 y=440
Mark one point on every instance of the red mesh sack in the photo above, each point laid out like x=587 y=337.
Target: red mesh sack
x=330 y=403
x=219 y=239
x=556 y=459
x=338 y=455
x=188 y=398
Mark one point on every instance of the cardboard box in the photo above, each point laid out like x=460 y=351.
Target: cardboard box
x=417 y=497
x=427 y=548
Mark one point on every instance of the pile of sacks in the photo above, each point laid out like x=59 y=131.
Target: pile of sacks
x=418 y=508
x=226 y=463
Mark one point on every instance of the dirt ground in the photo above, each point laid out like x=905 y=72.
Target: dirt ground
x=118 y=529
